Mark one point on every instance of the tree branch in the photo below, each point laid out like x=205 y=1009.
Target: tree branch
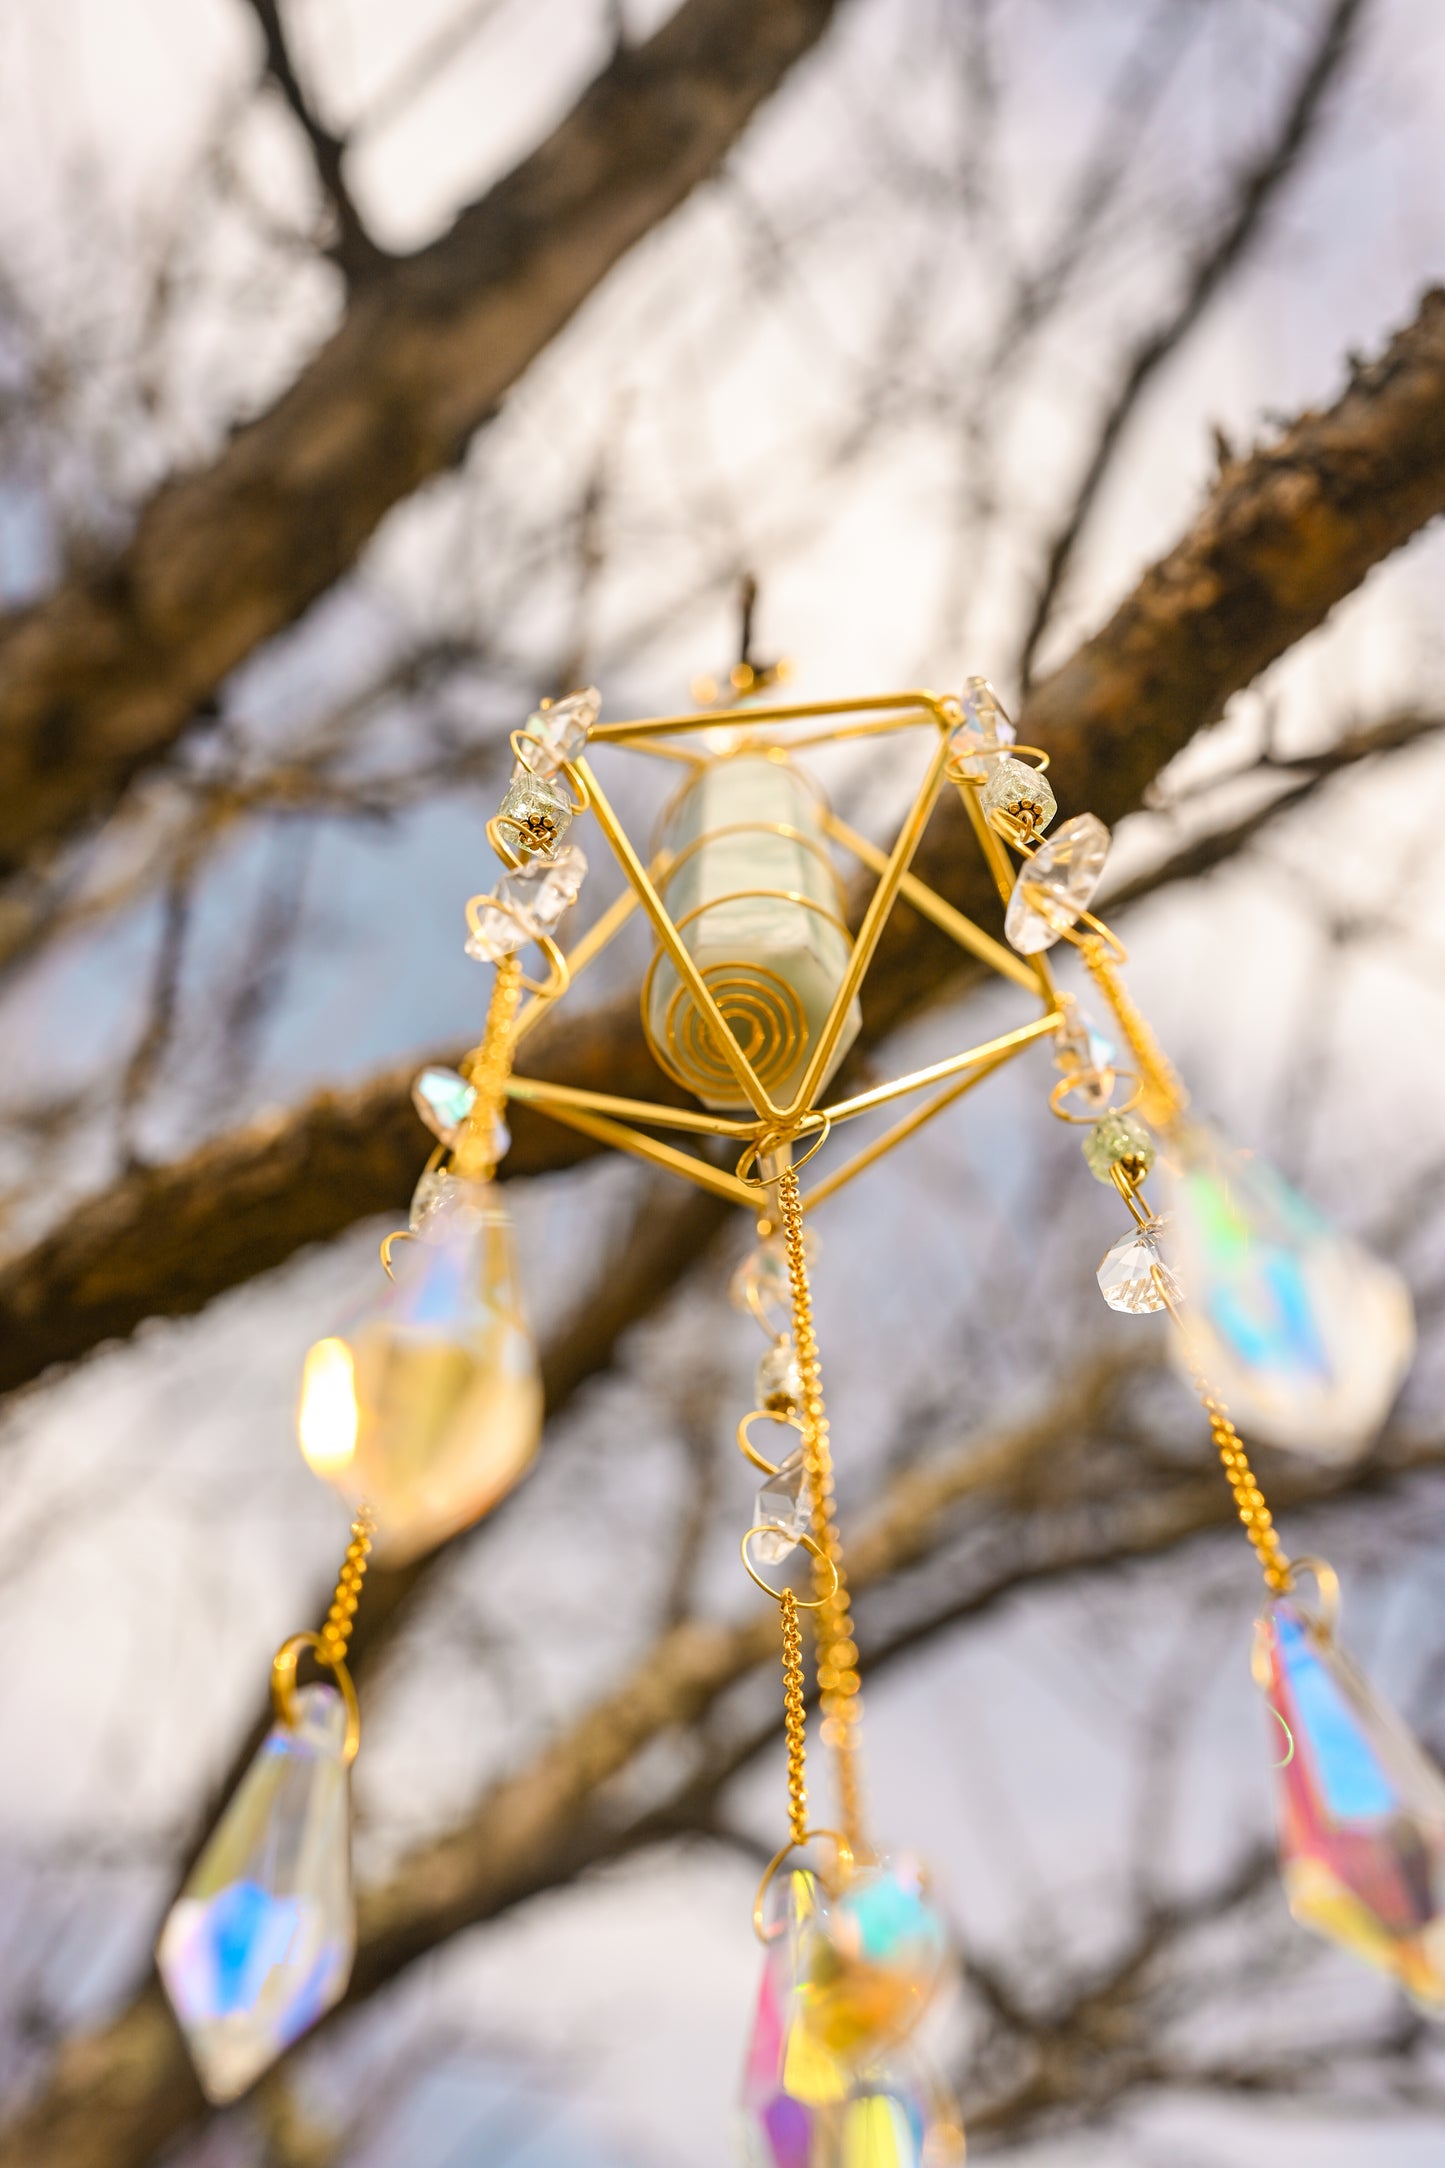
x=1254 y=196
x=354 y=251
x=103 y=677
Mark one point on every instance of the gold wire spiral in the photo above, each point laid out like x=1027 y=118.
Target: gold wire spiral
x=838 y=1683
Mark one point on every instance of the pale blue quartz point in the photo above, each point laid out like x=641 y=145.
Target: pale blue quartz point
x=260 y=1941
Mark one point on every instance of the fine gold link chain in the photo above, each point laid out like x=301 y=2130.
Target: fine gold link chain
x=1163 y=1097
x=340 y=1619
x=1248 y=1497
x=793 y=1717
x=838 y=1684
x=488 y=1067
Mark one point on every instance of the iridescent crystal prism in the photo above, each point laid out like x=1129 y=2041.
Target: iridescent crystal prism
x=536 y=813
x=985 y=728
x=882 y=1951
x=259 y=1943
x=779 y=1382
x=428 y=1404
x=809 y=2104
x=1134 y=1276
x=1361 y=1808
x=782 y=1512
x=1304 y=1335
x=1018 y=796
x=1056 y=886
x=558 y=732
x=443 y=1098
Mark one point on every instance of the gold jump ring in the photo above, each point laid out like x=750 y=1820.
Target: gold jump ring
x=814 y=1549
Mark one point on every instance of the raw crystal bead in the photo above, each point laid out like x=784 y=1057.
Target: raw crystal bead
x=259 y=1943
x=1057 y=884
x=439 y=1190
x=1303 y=1334
x=536 y=811
x=428 y=1404
x=495 y=935
x=1361 y=1809
x=779 y=1380
x=985 y=728
x=762 y=1283
x=1119 y=1140
x=1018 y=796
x=783 y=1511
x=558 y=732
x=1134 y=1276
x=542 y=889
x=443 y=1099
x=1083 y=1053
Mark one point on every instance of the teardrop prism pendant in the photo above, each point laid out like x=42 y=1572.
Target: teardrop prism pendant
x=1302 y=1333
x=831 y=2078
x=1361 y=1808
x=260 y=1941
x=428 y=1404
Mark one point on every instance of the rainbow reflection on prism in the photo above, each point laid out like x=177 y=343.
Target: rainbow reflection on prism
x=1361 y=1808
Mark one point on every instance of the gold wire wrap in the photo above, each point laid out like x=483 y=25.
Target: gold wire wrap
x=1162 y=1097
x=488 y=1067
x=838 y=1683
x=794 y=1722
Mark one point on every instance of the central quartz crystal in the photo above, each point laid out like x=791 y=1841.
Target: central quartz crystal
x=758 y=905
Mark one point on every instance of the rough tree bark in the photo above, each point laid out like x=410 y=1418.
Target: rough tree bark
x=108 y=672
x=1282 y=536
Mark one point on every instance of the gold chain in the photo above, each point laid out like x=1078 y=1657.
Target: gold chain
x=488 y=1067
x=793 y=1717
x=838 y=1683
x=336 y=1632
x=1162 y=1096
x=1248 y=1497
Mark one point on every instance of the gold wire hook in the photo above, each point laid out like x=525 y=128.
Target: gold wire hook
x=843 y=1863
x=1327 y=1585
x=815 y=1551
x=770 y=1141
x=1077 y=1082
x=745 y=1444
x=283 y=1685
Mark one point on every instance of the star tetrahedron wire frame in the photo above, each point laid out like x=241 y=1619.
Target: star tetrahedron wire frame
x=798 y=1127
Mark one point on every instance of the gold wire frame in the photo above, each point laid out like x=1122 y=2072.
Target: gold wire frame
x=772 y=1127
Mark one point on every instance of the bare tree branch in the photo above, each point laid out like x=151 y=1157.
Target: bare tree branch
x=104 y=676
x=1255 y=194
x=353 y=249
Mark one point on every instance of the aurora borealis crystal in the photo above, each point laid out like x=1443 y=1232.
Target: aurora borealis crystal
x=259 y=1943
x=1361 y=1808
x=1303 y=1334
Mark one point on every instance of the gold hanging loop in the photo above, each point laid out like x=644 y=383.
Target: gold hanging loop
x=745 y=1444
x=843 y=1855
x=781 y=1595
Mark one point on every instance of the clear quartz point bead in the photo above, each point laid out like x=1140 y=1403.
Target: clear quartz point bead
x=538 y=813
x=1360 y=1808
x=1019 y=796
x=542 y=889
x=985 y=728
x=259 y=1943
x=558 y=732
x=1056 y=886
x=1133 y=1275
x=428 y=1403
x=1303 y=1334
x=1082 y=1051
x=443 y=1098
x=782 y=1512
x=779 y=1383
x=495 y=935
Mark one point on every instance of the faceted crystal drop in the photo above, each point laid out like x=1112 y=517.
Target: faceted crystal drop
x=443 y=1099
x=782 y=1511
x=537 y=809
x=1361 y=1809
x=429 y=1403
x=558 y=733
x=259 y=1943
x=985 y=728
x=1020 y=795
x=1132 y=1271
x=779 y=1380
x=1303 y=1334
x=1057 y=884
